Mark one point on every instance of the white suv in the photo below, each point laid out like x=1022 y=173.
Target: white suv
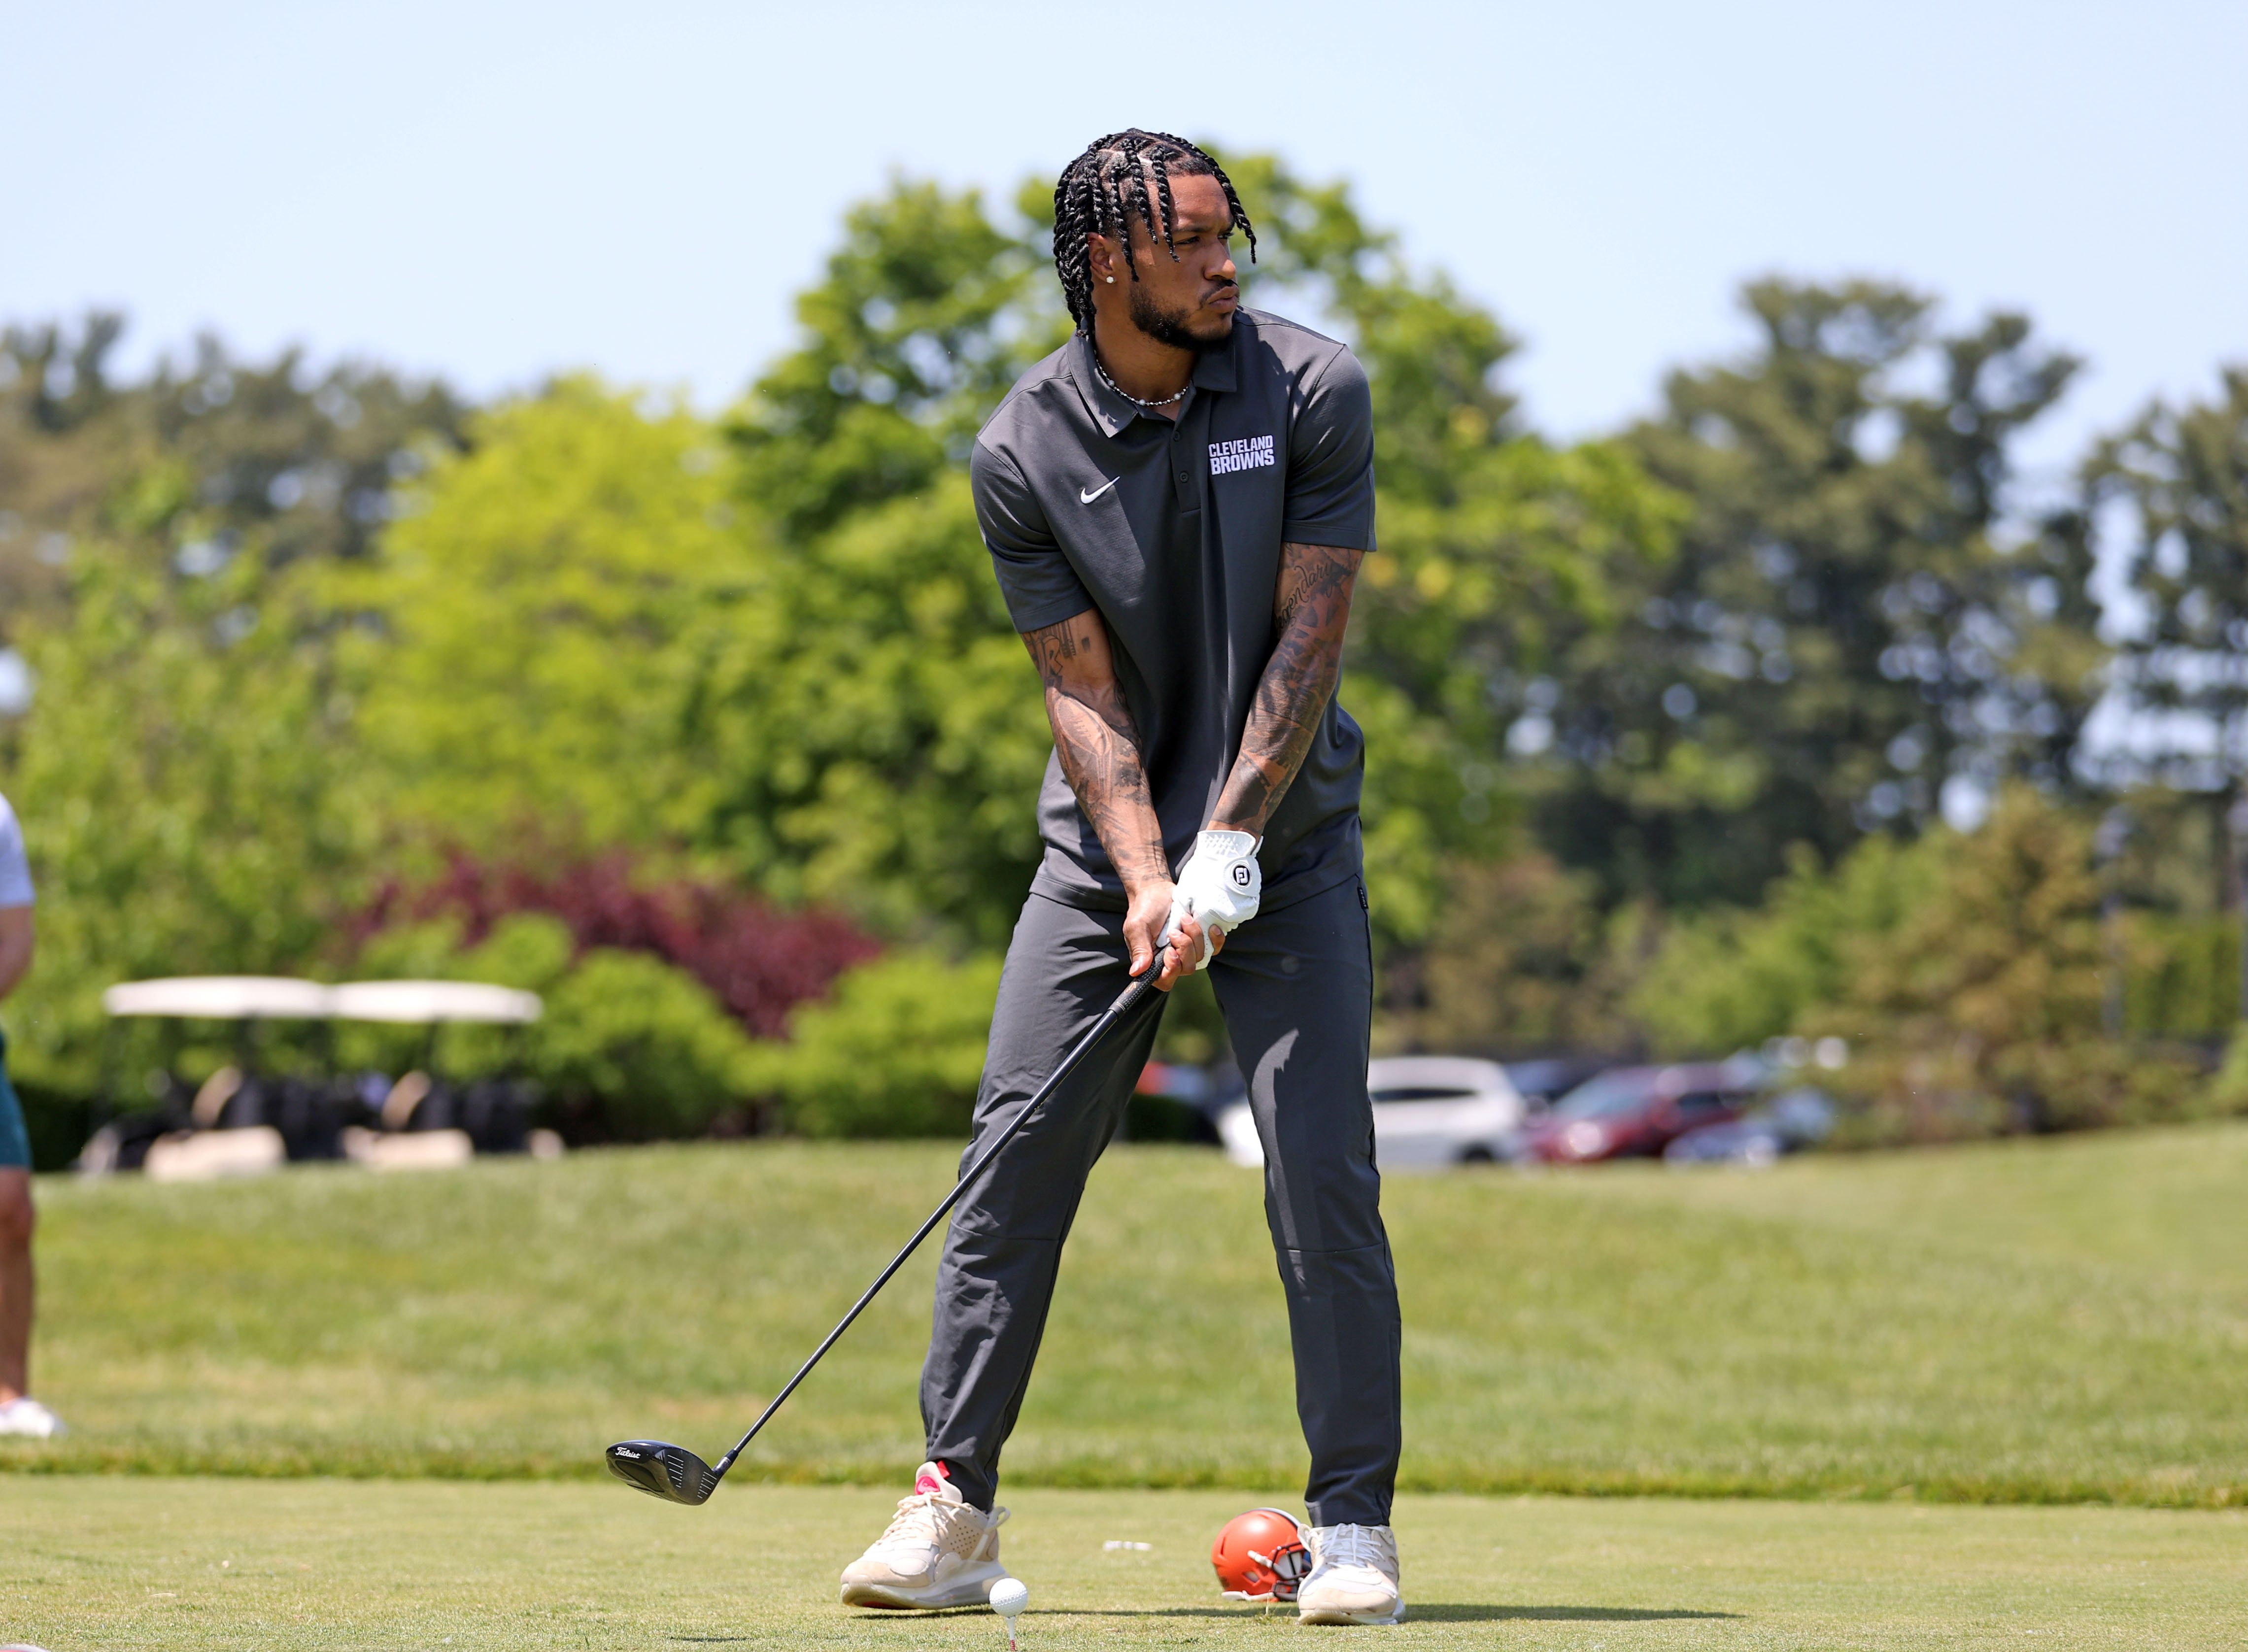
x=1428 y=1110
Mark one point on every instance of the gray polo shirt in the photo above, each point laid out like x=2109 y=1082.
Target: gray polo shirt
x=1173 y=531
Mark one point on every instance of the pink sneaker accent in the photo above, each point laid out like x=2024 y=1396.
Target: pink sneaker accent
x=933 y=1478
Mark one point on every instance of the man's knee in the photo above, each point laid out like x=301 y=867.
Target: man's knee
x=17 y=1218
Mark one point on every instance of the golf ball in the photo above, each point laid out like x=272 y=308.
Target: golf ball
x=1009 y=1596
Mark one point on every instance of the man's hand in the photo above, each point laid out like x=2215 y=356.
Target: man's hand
x=1144 y=921
x=1219 y=889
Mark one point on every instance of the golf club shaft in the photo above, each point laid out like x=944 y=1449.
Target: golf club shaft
x=1131 y=995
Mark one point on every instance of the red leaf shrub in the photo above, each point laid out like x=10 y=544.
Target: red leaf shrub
x=759 y=963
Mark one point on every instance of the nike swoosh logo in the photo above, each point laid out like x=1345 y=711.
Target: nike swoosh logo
x=1083 y=498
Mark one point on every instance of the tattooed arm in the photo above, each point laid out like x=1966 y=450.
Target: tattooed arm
x=1311 y=607
x=1099 y=753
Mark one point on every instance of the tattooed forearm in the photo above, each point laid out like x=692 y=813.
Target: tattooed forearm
x=1098 y=745
x=1312 y=608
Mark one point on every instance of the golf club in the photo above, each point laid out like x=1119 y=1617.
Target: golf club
x=675 y=1474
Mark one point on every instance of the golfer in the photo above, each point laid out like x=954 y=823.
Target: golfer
x=1176 y=503
x=19 y=1413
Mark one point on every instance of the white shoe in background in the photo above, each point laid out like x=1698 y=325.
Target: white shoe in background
x=936 y=1552
x=27 y=1419
x=1354 y=1577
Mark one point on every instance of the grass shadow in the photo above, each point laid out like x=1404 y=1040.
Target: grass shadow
x=1448 y=1613
x=1416 y=1611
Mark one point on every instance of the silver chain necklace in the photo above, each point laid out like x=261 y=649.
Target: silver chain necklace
x=1128 y=396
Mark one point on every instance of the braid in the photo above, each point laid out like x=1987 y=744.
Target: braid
x=1106 y=187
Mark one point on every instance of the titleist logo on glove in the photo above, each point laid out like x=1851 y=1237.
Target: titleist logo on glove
x=1220 y=886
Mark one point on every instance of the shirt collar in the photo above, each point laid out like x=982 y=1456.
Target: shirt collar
x=1214 y=372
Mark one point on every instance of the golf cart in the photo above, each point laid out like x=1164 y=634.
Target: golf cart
x=245 y=1118
x=424 y=1122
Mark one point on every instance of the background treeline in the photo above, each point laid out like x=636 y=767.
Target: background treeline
x=713 y=730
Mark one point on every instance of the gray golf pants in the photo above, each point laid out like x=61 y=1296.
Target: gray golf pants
x=1295 y=986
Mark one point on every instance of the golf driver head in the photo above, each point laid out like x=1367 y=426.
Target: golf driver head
x=661 y=1469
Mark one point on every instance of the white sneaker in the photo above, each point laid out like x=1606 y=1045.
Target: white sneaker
x=1354 y=1577
x=938 y=1551
x=26 y=1417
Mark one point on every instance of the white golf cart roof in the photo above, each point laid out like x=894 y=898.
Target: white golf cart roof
x=426 y=1001
x=262 y=997
x=220 y=997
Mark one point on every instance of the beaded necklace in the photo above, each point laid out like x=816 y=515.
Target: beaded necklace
x=1128 y=396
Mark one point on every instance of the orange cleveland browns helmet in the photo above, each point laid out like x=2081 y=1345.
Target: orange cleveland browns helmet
x=1261 y=1556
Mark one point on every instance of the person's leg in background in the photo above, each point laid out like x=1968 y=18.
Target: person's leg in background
x=17 y=1221
x=19 y=1413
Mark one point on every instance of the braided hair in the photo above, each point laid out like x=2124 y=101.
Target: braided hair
x=1102 y=190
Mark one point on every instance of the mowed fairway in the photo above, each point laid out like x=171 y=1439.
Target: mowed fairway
x=98 y=1562
x=2036 y=1321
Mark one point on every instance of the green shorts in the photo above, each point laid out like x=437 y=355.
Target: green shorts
x=15 y=1141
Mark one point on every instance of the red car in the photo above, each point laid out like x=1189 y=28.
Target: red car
x=1636 y=1111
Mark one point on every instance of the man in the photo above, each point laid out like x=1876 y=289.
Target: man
x=1176 y=503
x=19 y=1413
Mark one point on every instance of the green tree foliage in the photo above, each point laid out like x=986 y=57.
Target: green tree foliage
x=274 y=458
x=184 y=771
x=926 y=314
x=897 y=1050
x=873 y=736
x=1848 y=625
x=188 y=798
x=1522 y=961
x=1981 y=1009
x=2179 y=476
x=1968 y=972
x=527 y=637
x=1730 y=978
x=629 y=1048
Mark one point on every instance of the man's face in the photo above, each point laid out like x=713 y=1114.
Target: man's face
x=1189 y=304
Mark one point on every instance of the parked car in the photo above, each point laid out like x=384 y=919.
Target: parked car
x=1789 y=1122
x=1637 y=1112
x=1428 y=1110
x=1542 y=1082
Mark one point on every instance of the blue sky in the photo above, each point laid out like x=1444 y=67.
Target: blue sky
x=495 y=190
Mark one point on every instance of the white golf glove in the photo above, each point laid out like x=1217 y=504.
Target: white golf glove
x=1220 y=885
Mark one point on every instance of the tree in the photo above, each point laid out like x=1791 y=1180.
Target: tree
x=2176 y=483
x=1522 y=961
x=2180 y=476
x=526 y=637
x=296 y=462
x=187 y=793
x=1980 y=1008
x=1851 y=623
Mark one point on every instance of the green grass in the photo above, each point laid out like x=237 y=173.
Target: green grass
x=236 y=1565
x=2033 y=1322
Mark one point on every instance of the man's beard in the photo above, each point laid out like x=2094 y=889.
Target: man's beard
x=1170 y=327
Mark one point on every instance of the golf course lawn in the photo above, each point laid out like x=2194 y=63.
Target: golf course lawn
x=100 y=1561
x=2035 y=1321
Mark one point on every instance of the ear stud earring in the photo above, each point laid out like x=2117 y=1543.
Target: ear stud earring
x=1112 y=281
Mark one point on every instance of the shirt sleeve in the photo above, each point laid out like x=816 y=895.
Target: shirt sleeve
x=15 y=865
x=1331 y=460
x=1035 y=577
